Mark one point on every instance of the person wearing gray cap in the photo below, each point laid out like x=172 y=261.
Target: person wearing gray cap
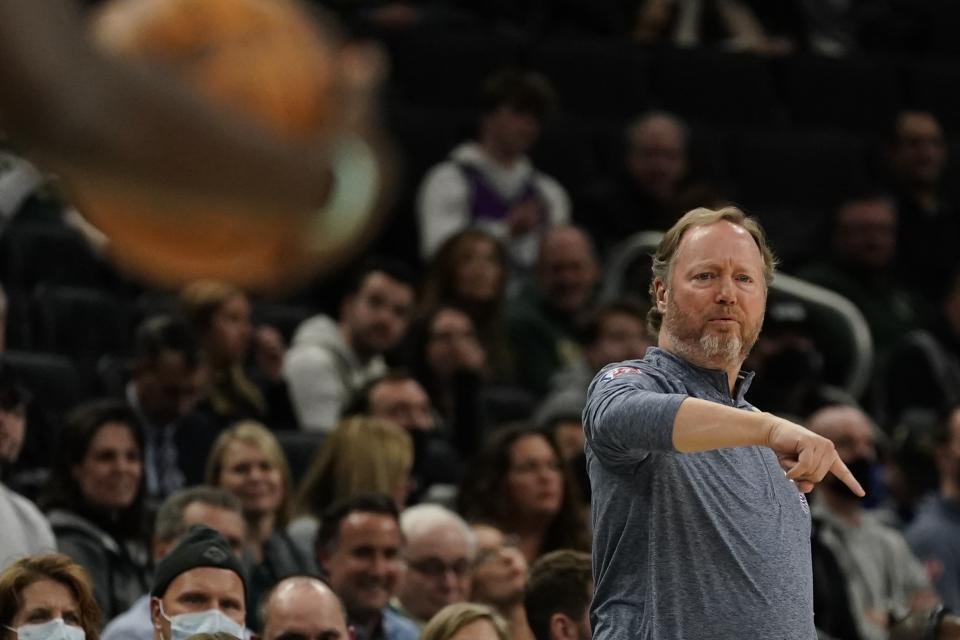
x=199 y=587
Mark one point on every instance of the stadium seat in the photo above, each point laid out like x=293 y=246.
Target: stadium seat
x=595 y=77
x=82 y=324
x=796 y=169
x=446 y=70
x=855 y=95
x=935 y=89
x=721 y=88
x=299 y=447
x=32 y=254
x=567 y=151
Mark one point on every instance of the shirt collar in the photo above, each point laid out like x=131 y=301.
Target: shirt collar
x=674 y=364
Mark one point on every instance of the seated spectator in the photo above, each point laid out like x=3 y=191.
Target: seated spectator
x=220 y=315
x=214 y=508
x=518 y=483
x=652 y=187
x=884 y=580
x=923 y=372
x=163 y=389
x=558 y=594
x=360 y=547
x=247 y=461
x=301 y=608
x=94 y=501
x=362 y=455
x=934 y=534
x=23 y=529
x=469 y=272
x=439 y=555
x=199 y=585
x=929 y=228
x=542 y=320
x=467 y=621
x=329 y=361
x=447 y=359
x=499 y=578
x=48 y=596
x=437 y=465
x=613 y=332
x=860 y=267
x=788 y=364
x=491 y=182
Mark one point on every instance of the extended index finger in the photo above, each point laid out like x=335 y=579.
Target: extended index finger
x=841 y=471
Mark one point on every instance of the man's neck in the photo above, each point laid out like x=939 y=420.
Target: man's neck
x=731 y=370
x=357 y=349
x=369 y=622
x=927 y=196
x=498 y=154
x=950 y=491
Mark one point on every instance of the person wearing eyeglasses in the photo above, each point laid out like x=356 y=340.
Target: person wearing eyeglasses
x=304 y=608
x=439 y=554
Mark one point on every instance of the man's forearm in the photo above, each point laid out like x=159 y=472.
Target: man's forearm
x=701 y=425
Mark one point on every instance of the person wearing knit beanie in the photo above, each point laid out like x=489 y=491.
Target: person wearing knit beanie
x=199 y=587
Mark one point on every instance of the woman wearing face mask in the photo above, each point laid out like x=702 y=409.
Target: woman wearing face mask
x=47 y=597
x=94 y=501
x=247 y=461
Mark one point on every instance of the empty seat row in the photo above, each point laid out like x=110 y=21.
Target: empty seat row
x=618 y=79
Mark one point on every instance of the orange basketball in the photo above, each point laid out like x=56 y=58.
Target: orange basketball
x=269 y=60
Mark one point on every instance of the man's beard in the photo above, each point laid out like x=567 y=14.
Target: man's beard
x=694 y=344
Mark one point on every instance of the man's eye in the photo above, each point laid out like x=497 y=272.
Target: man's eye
x=703 y=276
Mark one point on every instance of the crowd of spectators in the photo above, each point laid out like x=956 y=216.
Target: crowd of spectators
x=398 y=448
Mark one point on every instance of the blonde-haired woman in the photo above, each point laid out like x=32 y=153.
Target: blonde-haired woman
x=362 y=455
x=220 y=313
x=466 y=621
x=247 y=461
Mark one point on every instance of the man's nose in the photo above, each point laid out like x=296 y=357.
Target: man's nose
x=726 y=292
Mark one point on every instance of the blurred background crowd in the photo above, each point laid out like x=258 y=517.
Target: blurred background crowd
x=544 y=146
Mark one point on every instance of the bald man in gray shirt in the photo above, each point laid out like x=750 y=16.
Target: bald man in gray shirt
x=701 y=528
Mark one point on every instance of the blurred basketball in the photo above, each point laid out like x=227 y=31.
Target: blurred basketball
x=267 y=59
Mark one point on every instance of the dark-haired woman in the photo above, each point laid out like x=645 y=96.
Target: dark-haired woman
x=94 y=501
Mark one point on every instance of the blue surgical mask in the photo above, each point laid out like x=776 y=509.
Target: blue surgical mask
x=184 y=625
x=55 y=629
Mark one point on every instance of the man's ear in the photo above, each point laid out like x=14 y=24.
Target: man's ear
x=660 y=291
x=323 y=558
x=156 y=619
x=562 y=627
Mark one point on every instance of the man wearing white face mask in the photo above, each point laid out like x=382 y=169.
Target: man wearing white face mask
x=199 y=587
